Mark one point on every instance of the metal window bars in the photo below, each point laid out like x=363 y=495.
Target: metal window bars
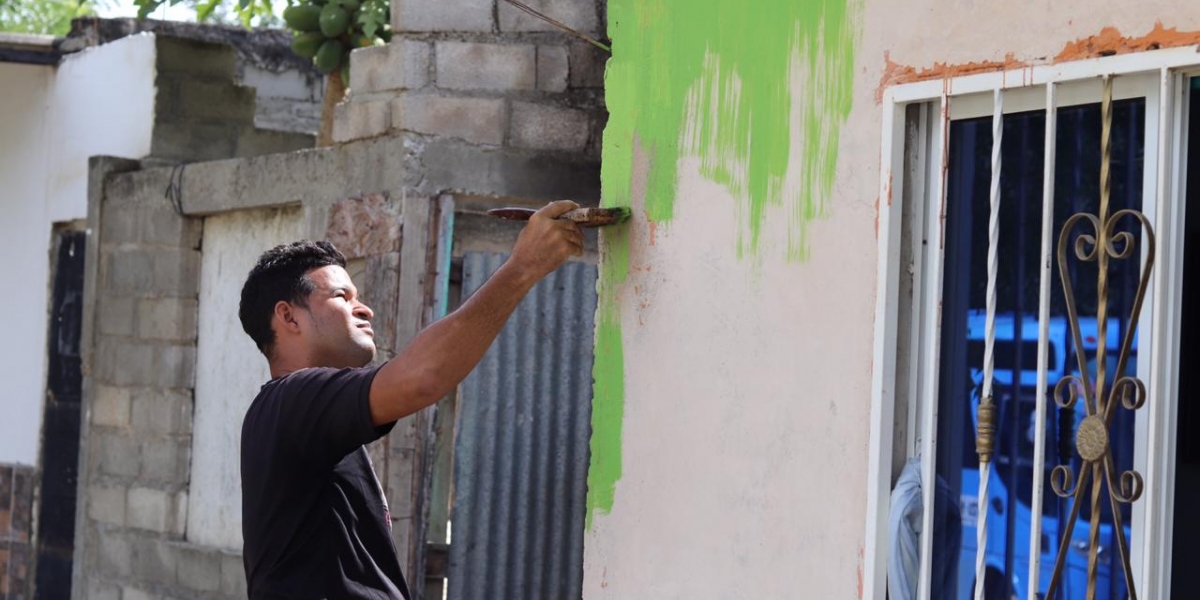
x=1100 y=399
x=1103 y=395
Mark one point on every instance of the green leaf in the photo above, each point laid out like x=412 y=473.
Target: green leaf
x=243 y=5
x=205 y=9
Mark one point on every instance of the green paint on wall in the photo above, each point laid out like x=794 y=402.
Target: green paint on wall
x=608 y=372
x=717 y=79
x=733 y=83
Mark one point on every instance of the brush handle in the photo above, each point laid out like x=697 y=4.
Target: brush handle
x=584 y=217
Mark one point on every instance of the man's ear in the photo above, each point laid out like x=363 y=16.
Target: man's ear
x=286 y=317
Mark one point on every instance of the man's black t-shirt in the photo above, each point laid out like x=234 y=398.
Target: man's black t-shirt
x=314 y=518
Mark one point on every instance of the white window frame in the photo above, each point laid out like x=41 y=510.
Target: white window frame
x=1160 y=76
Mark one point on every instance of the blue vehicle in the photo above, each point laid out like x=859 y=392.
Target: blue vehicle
x=1011 y=472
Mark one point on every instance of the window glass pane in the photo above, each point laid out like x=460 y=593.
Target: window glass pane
x=1015 y=381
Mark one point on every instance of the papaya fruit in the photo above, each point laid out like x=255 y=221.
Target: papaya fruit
x=306 y=44
x=334 y=20
x=329 y=56
x=302 y=17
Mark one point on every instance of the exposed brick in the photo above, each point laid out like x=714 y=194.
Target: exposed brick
x=442 y=15
x=106 y=504
x=233 y=575
x=163 y=412
x=114 y=454
x=110 y=406
x=170 y=319
x=400 y=65
x=476 y=120
x=6 y=474
x=195 y=58
x=189 y=141
x=576 y=14
x=200 y=570
x=115 y=314
x=552 y=68
x=150 y=223
x=357 y=120
x=19 y=574
x=507 y=172
x=22 y=504
x=474 y=66
x=587 y=65
x=364 y=226
x=543 y=127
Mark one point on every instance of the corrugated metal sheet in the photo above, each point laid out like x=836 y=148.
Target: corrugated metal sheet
x=521 y=449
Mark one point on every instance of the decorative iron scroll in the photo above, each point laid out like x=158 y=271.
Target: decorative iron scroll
x=1100 y=398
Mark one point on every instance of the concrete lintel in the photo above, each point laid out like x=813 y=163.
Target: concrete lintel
x=309 y=177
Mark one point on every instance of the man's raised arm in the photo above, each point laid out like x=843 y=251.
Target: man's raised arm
x=444 y=353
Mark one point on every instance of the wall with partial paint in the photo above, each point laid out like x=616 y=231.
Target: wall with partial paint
x=229 y=368
x=734 y=331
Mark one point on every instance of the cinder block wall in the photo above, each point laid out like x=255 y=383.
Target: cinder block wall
x=462 y=76
x=140 y=376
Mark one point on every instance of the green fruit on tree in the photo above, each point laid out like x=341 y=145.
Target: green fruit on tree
x=329 y=56
x=334 y=20
x=302 y=17
x=306 y=44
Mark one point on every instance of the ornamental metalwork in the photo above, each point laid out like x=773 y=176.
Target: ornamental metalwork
x=1101 y=398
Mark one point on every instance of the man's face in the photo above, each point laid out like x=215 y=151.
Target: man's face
x=337 y=329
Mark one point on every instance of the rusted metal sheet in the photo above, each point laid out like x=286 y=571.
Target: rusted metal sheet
x=521 y=452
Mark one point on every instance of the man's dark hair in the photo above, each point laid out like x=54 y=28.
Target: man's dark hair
x=281 y=274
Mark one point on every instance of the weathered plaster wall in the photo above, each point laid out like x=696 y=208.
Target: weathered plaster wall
x=25 y=239
x=734 y=333
x=229 y=369
x=96 y=102
x=103 y=105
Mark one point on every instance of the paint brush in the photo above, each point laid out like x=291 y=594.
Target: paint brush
x=584 y=217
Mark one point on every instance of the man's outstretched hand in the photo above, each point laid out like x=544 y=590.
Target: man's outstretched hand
x=547 y=242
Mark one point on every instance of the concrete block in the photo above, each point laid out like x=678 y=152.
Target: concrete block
x=476 y=120
x=287 y=115
x=115 y=315
x=166 y=461
x=450 y=164
x=154 y=222
x=286 y=84
x=200 y=570
x=213 y=101
x=474 y=66
x=543 y=127
x=190 y=141
x=195 y=58
x=123 y=362
x=442 y=15
x=132 y=593
x=115 y=555
x=252 y=141
x=169 y=319
x=400 y=65
x=580 y=15
x=162 y=412
x=357 y=120
x=101 y=590
x=111 y=406
x=148 y=509
x=135 y=271
x=553 y=68
x=233 y=575
x=114 y=454
x=106 y=504
x=154 y=560
x=587 y=65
